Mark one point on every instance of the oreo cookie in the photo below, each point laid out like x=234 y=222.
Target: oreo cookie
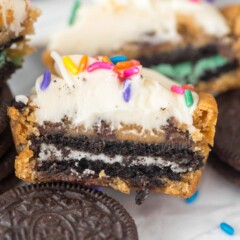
x=224 y=169
x=227 y=137
x=7 y=164
x=5 y=99
x=62 y=211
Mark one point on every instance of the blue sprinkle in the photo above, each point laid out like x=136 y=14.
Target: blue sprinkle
x=127 y=90
x=192 y=198
x=46 y=80
x=117 y=59
x=227 y=228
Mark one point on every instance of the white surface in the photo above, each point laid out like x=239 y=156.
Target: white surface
x=160 y=217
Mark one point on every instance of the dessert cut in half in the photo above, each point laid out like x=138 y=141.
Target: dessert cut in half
x=191 y=42
x=112 y=124
x=16 y=21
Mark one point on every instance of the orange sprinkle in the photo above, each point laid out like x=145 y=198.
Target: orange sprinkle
x=123 y=65
x=127 y=64
x=83 y=63
x=189 y=87
x=106 y=59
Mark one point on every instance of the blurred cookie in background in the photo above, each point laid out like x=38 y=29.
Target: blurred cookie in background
x=187 y=41
x=226 y=157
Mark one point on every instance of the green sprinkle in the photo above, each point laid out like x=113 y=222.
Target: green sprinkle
x=188 y=98
x=75 y=7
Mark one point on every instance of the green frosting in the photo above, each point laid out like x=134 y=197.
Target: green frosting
x=188 y=72
x=3 y=58
x=3 y=55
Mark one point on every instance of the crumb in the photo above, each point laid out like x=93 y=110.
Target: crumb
x=141 y=196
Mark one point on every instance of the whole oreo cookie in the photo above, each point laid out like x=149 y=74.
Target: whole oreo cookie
x=62 y=211
x=227 y=139
x=5 y=99
x=224 y=169
x=7 y=163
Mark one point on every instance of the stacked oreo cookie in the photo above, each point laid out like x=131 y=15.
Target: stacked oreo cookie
x=226 y=154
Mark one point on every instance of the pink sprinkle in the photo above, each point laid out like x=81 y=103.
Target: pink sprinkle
x=130 y=72
x=195 y=1
x=100 y=65
x=177 y=89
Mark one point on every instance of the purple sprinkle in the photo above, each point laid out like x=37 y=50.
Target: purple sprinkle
x=98 y=188
x=46 y=80
x=127 y=90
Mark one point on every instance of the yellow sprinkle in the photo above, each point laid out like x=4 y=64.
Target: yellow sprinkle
x=83 y=63
x=106 y=59
x=70 y=65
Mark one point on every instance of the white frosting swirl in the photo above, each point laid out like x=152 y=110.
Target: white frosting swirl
x=19 y=9
x=109 y=24
x=98 y=95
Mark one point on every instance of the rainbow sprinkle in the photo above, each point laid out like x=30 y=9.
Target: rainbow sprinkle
x=127 y=90
x=188 y=97
x=177 y=89
x=73 y=15
x=130 y=72
x=99 y=65
x=227 y=228
x=117 y=59
x=46 y=80
x=83 y=63
x=189 y=87
x=70 y=65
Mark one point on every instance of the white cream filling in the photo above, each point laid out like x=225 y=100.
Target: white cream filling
x=19 y=8
x=98 y=95
x=107 y=25
x=48 y=150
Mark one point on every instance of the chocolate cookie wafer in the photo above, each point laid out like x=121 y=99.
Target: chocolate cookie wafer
x=9 y=182
x=5 y=99
x=63 y=211
x=6 y=141
x=228 y=128
x=7 y=163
